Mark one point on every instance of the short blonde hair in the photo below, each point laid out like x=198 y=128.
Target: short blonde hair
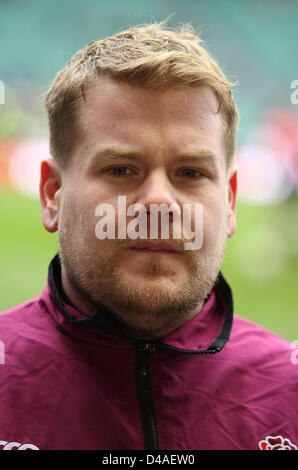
x=151 y=56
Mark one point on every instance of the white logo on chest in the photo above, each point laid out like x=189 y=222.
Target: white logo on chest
x=17 y=446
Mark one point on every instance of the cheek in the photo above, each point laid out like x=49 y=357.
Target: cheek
x=77 y=223
x=214 y=224
x=74 y=217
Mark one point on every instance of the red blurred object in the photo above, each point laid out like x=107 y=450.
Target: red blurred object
x=7 y=148
x=283 y=139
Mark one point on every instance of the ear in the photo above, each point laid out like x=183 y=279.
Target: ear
x=49 y=190
x=232 y=202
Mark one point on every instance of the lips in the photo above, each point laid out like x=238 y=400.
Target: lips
x=159 y=246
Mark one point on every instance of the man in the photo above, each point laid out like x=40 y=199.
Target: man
x=132 y=344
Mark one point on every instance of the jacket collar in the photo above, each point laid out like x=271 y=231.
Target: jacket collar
x=207 y=332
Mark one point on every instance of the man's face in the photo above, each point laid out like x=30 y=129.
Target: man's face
x=154 y=148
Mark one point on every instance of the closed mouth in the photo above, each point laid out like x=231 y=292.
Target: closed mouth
x=155 y=247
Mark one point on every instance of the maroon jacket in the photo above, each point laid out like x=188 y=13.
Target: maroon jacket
x=70 y=382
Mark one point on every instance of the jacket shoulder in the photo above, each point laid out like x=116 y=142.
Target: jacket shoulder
x=247 y=331
x=23 y=317
x=258 y=348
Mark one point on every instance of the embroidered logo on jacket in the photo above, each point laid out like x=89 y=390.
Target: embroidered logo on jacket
x=17 y=446
x=276 y=443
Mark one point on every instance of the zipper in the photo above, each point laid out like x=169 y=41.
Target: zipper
x=142 y=372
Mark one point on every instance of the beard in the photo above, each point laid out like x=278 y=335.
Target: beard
x=145 y=311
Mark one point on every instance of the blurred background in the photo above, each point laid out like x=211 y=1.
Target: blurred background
x=256 y=43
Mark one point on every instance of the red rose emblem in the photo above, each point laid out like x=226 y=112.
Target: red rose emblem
x=276 y=443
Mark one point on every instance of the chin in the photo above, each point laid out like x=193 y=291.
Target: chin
x=154 y=281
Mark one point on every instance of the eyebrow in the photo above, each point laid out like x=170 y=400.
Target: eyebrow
x=112 y=153
x=198 y=155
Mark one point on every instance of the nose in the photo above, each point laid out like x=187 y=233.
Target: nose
x=156 y=189
x=157 y=196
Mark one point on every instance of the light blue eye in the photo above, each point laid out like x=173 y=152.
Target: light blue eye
x=119 y=170
x=189 y=172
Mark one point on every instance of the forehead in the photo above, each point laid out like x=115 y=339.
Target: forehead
x=117 y=112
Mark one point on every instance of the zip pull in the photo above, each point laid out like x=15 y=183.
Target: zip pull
x=147 y=347
x=144 y=347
